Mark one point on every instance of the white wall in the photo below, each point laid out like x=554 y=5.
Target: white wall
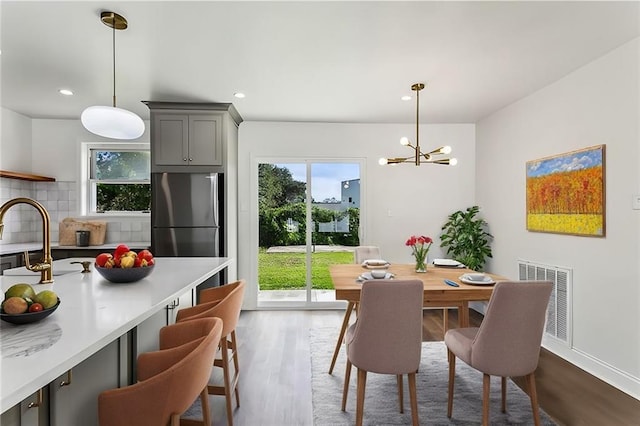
x=56 y=147
x=397 y=201
x=597 y=104
x=52 y=148
x=15 y=142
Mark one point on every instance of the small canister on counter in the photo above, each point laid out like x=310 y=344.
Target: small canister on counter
x=82 y=238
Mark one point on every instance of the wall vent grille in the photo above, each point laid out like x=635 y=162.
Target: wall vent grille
x=558 y=325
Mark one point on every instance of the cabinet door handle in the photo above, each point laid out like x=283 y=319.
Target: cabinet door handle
x=184 y=159
x=38 y=401
x=68 y=381
x=190 y=159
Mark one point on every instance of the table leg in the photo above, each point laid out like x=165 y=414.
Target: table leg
x=345 y=323
x=445 y=319
x=463 y=314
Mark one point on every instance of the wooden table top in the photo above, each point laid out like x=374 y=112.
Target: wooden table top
x=436 y=292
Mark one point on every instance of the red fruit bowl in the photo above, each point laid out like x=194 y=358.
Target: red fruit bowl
x=28 y=317
x=124 y=275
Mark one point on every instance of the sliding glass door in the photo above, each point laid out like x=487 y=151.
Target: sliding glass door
x=309 y=216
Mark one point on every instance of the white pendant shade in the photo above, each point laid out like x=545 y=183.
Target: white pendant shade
x=112 y=122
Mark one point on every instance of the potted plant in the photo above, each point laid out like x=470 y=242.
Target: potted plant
x=466 y=239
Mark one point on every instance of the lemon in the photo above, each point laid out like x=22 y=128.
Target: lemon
x=20 y=290
x=47 y=298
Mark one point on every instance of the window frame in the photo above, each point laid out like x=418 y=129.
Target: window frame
x=88 y=185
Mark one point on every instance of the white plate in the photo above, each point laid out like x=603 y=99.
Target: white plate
x=375 y=264
x=447 y=262
x=366 y=276
x=487 y=280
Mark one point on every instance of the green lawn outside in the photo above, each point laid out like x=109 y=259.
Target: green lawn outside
x=282 y=271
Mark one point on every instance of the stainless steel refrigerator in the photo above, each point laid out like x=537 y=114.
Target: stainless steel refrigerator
x=187 y=215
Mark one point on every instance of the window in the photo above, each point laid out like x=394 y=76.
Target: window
x=119 y=178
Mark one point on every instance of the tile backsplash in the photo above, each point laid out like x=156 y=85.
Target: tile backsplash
x=22 y=223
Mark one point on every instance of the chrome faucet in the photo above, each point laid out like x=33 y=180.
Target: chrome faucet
x=45 y=267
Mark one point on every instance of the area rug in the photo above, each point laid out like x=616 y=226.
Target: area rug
x=381 y=397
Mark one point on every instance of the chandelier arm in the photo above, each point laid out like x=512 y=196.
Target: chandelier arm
x=442 y=161
x=397 y=160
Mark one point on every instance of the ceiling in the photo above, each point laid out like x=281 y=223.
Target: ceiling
x=302 y=61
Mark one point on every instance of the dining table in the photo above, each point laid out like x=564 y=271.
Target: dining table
x=347 y=282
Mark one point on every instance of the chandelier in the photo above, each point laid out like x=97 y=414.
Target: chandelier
x=107 y=121
x=419 y=157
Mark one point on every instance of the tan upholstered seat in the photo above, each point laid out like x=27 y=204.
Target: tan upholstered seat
x=169 y=380
x=223 y=302
x=386 y=338
x=507 y=343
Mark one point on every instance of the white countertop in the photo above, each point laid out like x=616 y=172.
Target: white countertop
x=13 y=248
x=93 y=312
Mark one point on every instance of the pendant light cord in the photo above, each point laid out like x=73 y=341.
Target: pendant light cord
x=114 y=60
x=418 y=127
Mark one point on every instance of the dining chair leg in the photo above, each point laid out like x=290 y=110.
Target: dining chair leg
x=362 y=382
x=452 y=376
x=504 y=394
x=345 y=389
x=486 y=389
x=400 y=392
x=531 y=384
x=345 y=323
x=413 y=396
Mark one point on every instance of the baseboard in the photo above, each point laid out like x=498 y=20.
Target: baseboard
x=609 y=374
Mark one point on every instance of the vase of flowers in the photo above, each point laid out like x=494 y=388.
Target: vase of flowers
x=419 y=249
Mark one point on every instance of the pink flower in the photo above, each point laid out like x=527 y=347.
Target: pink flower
x=419 y=247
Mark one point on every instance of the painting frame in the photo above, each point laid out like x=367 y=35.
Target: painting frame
x=566 y=193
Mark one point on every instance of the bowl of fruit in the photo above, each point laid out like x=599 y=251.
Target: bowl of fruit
x=124 y=265
x=22 y=305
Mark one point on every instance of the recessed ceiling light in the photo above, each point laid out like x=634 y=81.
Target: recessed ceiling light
x=239 y=95
x=406 y=98
x=65 y=92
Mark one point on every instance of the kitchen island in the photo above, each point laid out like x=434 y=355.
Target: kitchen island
x=93 y=313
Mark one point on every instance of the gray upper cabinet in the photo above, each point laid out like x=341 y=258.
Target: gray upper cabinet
x=197 y=136
x=186 y=140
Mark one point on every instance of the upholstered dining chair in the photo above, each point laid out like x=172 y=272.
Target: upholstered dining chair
x=362 y=253
x=169 y=380
x=223 y=302
x=386 y=338
x=507 y=343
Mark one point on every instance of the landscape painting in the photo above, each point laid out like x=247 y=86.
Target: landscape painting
x=566 y=193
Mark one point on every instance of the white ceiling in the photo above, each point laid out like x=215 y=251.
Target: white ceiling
x=302 y=61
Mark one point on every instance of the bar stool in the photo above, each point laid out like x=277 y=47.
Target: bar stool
x=223 y=302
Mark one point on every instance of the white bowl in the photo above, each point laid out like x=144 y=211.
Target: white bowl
x=378 y=273
x=476 y=277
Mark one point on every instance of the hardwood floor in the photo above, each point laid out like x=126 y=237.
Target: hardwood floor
x=275 y=374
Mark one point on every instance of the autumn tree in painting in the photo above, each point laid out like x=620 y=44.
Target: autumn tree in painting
x=574 y=192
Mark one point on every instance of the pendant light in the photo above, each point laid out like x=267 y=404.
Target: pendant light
x=111 y=121
x=419 y=157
